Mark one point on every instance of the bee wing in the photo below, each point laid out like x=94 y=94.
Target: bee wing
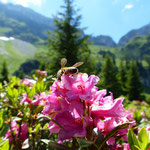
x=63 y=62
x=77 y=64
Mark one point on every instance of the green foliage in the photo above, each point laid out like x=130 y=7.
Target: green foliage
x=122 y=77
x=27 y=68
x=68 y=41
x=143 y=141
x=137 y=47
x=111 y=134
x=21 y=24
x=4 y=144
x=140 y=110
x=4 y=72
x=133 y=84
x=109 y=80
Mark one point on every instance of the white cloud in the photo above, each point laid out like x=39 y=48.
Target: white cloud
x=4 y=1
x=26 y=3
x=128 y=6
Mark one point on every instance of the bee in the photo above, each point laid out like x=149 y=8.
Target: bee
x=68 y=70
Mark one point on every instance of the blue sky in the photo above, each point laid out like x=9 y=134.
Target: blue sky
x=101 y=17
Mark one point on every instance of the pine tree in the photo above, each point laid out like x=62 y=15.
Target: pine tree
x=4 y=72
x=134 y=85
x=68 y=41
x=21 y=74
x=122 y=77
x=109 y=80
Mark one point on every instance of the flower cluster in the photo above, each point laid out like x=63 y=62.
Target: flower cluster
x=22 y=132
x=78 y=107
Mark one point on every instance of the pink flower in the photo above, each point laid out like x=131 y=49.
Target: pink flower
x=15 y=130
x=40 y=99
x=71 y=126
x=79 y=86
x=57 y=89
x=25 y=99
x=109 y=109
x=116 y=147
x=109 y=124
x=76 y=107
x=44 y=73
x=26 y=82
x=126 y=146
x=72 y=122
x=41 y=73
x=54 y=105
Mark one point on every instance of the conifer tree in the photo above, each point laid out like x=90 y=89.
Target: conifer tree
x=109 y=79
x=21 y=74
x=69 y=41
x=133 y=84
x=4 y=72
x=122 y=77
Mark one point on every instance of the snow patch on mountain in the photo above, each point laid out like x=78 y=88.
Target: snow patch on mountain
x=4 y=38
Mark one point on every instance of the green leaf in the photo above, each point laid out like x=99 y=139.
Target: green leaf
x=1 y=86
x=46 y=141
x=38 y=109
x=143 y=138
x=25 y=144
x=132 y=140
x=2 y=141
x=15 y=93
x=16 y=118
x=134 y=147
x=4 y=144
x=10 y=92
x=83 y=143
x=31 y=92
x=1 y=119
x=4 y=130
x=37 y=128
x=112 y=133
x=59 y=146
x=148 y=146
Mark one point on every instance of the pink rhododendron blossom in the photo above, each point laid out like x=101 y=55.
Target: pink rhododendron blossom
x=77 y=107
x=6 y=100
x=109 y=124
x=15 y=130
x=25 y=99
x=40 y=99
x=44 y=73
x=116 y=147
x=27 y=82
x=54 y=105
x=41 y=73
x=126 y=146
x=111 y=109
x=79 y=86
x=71 y=126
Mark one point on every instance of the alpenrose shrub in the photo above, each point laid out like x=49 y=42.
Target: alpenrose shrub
x=74 y=111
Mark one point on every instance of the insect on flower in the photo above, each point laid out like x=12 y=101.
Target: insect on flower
x=68 y=70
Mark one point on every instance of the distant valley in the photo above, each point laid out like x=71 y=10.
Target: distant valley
x=28 y=30
x=28 y=25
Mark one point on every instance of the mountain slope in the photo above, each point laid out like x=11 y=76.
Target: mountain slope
x=23 y=23
x=145 y=30
x=15 y=52
x=103 y=41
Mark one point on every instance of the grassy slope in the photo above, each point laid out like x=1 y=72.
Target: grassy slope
x=95 y=49
x=15 y=53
